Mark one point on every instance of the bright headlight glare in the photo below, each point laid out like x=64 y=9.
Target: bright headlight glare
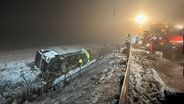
x=147 y=45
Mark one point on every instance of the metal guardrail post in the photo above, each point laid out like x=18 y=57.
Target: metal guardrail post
x=114 y=50
x=97 y=59
x=182 y=64
x=80 y=70
x=65 y=79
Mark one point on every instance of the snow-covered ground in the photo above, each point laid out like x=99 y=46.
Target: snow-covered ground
x=98 y=85
x=14 y=66
x=145 y=84
x=151 y=76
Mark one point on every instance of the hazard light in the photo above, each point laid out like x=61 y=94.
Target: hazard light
x=161 y=43
x=175 y=39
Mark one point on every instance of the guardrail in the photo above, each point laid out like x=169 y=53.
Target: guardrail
x=124 y=89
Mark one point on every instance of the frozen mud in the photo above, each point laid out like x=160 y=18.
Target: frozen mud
x=145 y=85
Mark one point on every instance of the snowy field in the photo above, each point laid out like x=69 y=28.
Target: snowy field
x=16 y=73
x=15 y=65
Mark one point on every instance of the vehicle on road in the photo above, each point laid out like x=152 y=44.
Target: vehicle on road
x=171 y=44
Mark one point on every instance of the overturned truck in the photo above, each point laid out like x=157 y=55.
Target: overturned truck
x=55 y=58
x=56 y=61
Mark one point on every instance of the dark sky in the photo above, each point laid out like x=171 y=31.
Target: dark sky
x=28 y=23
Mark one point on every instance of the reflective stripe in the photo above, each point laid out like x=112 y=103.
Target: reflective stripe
x=87 y=55
x=129 y=38
x=80 y=61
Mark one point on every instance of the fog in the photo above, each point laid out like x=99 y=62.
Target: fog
x=27 y=24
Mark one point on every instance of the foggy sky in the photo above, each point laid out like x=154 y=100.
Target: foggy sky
x=46 y=22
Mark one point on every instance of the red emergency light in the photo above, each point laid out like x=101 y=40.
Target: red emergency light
x=175 y=38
